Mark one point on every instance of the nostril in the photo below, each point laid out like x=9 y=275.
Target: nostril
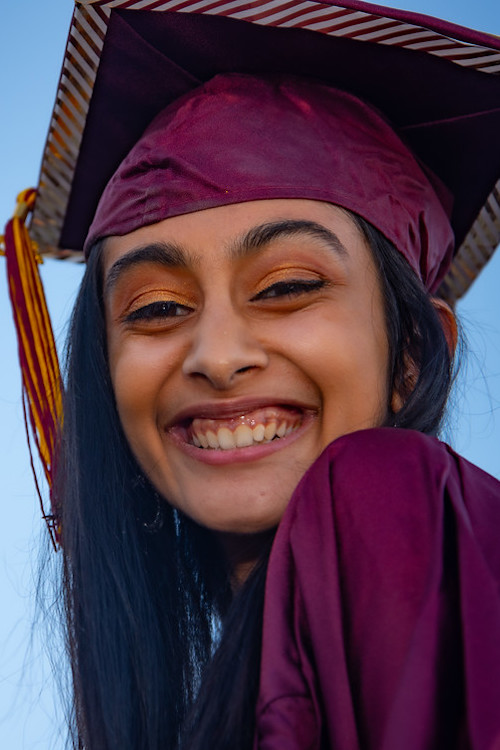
x=223 y=360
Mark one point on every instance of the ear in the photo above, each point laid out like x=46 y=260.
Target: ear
x=450 y=329
x=448 y=323
x=403 y=389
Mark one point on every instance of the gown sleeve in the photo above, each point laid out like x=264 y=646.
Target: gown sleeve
x=382 y=612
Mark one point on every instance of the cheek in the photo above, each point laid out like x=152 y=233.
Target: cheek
x=371 y=356
x=354 y=346
x=347 y=361
x=136 y=377
x=132 y=403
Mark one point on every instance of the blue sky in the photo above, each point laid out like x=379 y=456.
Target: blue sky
x=33 y=40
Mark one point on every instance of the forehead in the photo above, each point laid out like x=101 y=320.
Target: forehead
x=216 y=232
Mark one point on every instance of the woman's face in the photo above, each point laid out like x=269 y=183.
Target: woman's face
x=242 y=340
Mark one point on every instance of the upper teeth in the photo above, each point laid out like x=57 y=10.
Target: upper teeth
x=242 y=436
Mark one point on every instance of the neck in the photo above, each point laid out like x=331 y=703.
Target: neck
x=243 y=552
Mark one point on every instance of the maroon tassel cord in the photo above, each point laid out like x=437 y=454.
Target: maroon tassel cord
x=41 y=380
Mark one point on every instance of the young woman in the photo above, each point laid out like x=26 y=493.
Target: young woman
x=255 y=319
x=264 y=544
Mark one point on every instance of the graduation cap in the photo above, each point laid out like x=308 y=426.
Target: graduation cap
x=437 y=83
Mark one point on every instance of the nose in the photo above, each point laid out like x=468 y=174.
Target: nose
x=223 y=348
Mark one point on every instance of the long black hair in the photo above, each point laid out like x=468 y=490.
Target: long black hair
x=143 y=585
x=147 y=592
x=421 y=365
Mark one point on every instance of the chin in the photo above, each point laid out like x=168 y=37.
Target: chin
x=238 y=513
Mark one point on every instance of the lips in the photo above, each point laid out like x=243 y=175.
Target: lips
x=251 y=428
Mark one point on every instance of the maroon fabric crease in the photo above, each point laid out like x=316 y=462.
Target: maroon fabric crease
x=150 y=59
x=382 y=613
x=239 y=138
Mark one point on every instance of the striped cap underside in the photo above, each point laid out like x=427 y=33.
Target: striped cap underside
x=86 y=39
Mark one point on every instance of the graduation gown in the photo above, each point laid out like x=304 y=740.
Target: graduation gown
x=382 y=611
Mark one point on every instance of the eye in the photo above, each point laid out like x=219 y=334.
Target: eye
x=158 y=311
x=291 y=288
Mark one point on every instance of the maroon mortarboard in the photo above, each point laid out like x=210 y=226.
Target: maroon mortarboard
x=437 y=83
x=239 y=138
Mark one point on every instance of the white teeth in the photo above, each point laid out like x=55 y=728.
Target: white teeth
x=212 y=439
x=243 y=436
x=258 y=433
x=225 y=439
x=281 y=430
x=270 y=430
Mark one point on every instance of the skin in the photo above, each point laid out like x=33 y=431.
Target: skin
x=237 y=336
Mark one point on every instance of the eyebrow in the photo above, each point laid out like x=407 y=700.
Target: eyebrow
x=172 y=255
x=163 y=253
x=257 y=237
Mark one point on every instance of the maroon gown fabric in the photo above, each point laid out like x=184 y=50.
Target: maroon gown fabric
x=382 y=612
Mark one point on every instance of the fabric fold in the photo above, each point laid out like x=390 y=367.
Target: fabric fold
x=388 y=550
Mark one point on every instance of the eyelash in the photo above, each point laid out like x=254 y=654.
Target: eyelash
x=292 y=288
x=169 y=309
x=165 y=309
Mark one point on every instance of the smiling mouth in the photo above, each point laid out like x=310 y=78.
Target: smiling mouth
x=253 y=428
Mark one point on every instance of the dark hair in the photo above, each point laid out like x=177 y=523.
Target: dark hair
x=420 y=363
x=140 y=606
x=143 y=610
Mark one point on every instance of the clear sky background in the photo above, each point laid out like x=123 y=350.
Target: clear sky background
x=33 y=40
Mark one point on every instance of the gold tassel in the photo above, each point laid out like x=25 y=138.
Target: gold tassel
x=41 y=380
